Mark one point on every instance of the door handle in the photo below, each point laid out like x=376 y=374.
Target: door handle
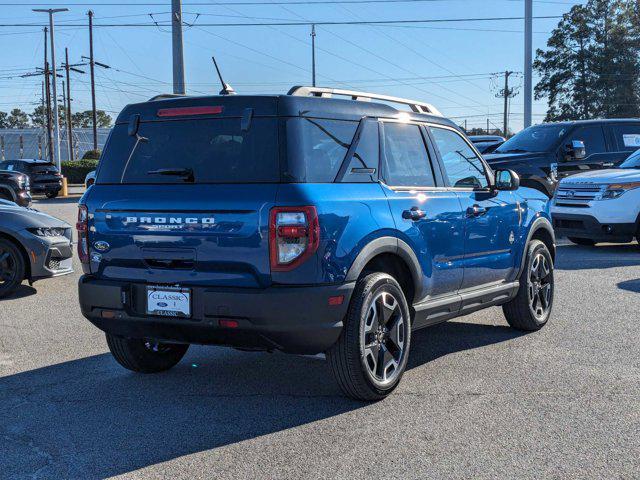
x=476 y=210
x=414 y=214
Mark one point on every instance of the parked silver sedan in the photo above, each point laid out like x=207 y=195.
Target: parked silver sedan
x=33 y=246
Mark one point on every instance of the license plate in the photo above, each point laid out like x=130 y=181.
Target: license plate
x=169 y=301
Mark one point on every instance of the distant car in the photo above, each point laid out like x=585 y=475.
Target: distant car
x=44 y=176
x=600 y=205
x=543 y=154
x=33 y=246
x=14 y=187
x=486 y=143
x=90 y=179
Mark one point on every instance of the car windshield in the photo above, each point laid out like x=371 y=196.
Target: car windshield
x=539 y=138
x=632 y=161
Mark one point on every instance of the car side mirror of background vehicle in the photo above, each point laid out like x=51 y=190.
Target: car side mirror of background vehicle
x=506 y=180
x=575 y=151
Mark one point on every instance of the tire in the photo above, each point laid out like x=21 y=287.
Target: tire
x=532 y=305
x=585 y=242
x=51 y=194
x=12 y=268
x=363 y=357
x=144 y=356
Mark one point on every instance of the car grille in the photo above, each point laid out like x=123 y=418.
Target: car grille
x=577 y=195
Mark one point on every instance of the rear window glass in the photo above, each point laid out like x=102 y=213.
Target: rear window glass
x=316 y=148
x=213 y=150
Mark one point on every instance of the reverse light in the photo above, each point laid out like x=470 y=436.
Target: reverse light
x=186 y=111
x=616 y=190
x=294 y=235
x=82 y=228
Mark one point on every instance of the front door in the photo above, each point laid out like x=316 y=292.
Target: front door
x=428 y=216
x=597 y=154
x=492 y=219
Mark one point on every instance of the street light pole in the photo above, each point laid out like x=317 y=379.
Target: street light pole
x=56 y=120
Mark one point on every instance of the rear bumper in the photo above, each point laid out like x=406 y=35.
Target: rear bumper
x=53 y=187
x=291 y=319
x=586 y=226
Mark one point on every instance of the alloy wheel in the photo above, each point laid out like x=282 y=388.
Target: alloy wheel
x=383 y=338
x=540 y=286
x=8 y=267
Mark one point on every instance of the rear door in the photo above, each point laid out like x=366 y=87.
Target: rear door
x=428 y=215
x=186 y=201
x=492 y=219
x=625 y=139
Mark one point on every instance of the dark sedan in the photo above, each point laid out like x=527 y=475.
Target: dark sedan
x=33 y=246
x=44 y=176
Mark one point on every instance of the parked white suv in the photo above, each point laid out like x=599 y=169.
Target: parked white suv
x=599 y=205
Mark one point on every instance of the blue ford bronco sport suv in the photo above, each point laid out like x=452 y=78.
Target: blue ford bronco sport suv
x=305 y=223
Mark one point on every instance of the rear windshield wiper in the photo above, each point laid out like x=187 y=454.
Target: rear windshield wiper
x=185 y=173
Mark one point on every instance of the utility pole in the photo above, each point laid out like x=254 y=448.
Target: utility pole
x=48 y=100
x=506 y=93
x=313 y=55
x=68 y=106
x=93 y=83
x=528 y=30
x=487 y=126
x=178 y=54
x=56 y=122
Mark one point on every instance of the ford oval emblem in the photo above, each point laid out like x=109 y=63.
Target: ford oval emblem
x=101 y=246
x=162 y=304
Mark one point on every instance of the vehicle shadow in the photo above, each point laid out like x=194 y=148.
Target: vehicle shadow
x=574 y=257
x=22 y=291
x=630 y=285
x=91 y=419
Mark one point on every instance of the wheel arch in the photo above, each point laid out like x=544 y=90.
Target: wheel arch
x=22 y=250
x=540 y=229
x=393 y=256
x=5 y=189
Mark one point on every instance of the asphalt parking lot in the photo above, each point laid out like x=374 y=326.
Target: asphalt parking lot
x=478 y=400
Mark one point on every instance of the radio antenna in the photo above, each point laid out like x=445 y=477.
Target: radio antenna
x=226 y=88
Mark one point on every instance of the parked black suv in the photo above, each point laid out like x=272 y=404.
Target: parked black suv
x=543 y=154
x=44 y=176
x=14 y=186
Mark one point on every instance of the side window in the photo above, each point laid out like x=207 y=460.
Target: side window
x=462 y=165
x=7 y=166
x=592 y=136
x=405 y=155
x=317 y=147
x=627 y=137
x=363 y=167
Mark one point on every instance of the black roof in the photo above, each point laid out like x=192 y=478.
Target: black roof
x=595 y=121
x=34 y=161
x=279 y=105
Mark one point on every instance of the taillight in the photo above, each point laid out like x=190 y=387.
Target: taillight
x=83 y=233
x=182 y=111
x=294 y=235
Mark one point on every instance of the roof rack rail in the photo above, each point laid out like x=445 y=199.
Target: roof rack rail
x=164 y=96
x=418 y=107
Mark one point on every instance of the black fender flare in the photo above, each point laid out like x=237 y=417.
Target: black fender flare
x=10 y=191
x=540 y=223
x=391 y=245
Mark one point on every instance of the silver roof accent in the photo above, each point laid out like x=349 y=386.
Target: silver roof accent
x=164 y=96
x=418 y=107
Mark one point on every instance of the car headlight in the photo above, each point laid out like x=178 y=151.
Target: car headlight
x=616 y=190
x=48 y=231
x=23 y=182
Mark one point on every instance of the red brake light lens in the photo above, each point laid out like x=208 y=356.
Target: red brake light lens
x=186 y=111
x=83 y=233
x=294 y=236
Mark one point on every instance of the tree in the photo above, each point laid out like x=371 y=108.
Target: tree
x=85 y=119
x=18 y=119
x=4 y=120
x=590 y=67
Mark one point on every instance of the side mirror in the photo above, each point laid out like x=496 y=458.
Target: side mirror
x=134 y=124
x=507 y=180
x=576 y=150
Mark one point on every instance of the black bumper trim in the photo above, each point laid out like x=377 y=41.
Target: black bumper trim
x=587 y=226
x=291 y=319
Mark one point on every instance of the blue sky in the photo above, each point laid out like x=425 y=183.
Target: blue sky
x=447 y=64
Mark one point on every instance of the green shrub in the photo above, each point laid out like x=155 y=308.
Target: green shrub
x=76 y=171
x=91 y=155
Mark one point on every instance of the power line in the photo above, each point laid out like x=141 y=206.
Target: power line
x=226 y=4
x=299 y=24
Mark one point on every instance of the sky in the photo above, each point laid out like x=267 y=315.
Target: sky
x=456 y=66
